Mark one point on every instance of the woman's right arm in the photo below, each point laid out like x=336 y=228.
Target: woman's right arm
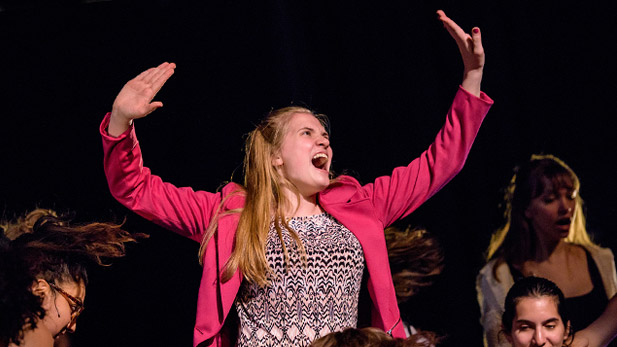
x=490 y=295
x=182 y=210
x=602 y=331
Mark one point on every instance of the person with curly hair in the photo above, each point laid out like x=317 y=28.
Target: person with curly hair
x=373 y=337
x=43 y=274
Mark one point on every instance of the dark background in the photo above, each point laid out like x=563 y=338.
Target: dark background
x=384 y=72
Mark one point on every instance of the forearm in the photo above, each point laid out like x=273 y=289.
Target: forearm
x=180 y=209
x=472 y=81
x=118 y=125
x=397 y=195
x=604 y=329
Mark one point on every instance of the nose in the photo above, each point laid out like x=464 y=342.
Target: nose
x=566 y=205
x=538 y=338
x=323 y=141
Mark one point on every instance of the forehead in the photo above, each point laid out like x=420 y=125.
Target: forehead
x=305 y=120
x=537 y=308
x=556 y=183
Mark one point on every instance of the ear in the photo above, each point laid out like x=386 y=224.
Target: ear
x=277 y=160
x=566 y=334
x=507 y=335
x=528 y=213
x=40 y=286
x=42 y=289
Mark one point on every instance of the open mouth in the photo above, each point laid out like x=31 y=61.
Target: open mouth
x=320 y=160
x=564 y=222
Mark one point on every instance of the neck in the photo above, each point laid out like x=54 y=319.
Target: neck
x=306 y=206
x=546 y=250
x=40 y=336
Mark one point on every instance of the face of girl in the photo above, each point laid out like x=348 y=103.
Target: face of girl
x=551 y=213
x=305 y=154
x=537 y=323
x=61 y=308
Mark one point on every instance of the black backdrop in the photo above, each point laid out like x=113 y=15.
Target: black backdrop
x=384 y=72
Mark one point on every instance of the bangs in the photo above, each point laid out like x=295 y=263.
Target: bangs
x=324 y=120
x=554 y=183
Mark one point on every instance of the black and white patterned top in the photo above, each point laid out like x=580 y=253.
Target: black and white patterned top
x=303 y=303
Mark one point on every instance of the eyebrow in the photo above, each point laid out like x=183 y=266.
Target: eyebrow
x=550 y=320
x=324 y=134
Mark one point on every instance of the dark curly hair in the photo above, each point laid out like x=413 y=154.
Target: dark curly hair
x=374 y=337
x=42 y=245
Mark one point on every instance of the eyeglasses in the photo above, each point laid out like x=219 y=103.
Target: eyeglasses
x=76 y=305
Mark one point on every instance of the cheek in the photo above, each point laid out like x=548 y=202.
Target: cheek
x=558 y=336
x=572 y=204
x=541 y=213
x=521 y=338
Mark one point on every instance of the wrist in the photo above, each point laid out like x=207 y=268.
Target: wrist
x=472 y=80
x=118 y=124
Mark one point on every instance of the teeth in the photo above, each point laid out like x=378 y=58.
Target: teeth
x=319 y=160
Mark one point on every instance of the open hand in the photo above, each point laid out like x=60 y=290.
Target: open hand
x=135 y=99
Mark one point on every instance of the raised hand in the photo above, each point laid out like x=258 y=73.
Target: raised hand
x=471 y=50
x=135 y=99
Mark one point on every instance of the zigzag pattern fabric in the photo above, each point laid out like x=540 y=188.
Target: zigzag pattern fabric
x=304 y=302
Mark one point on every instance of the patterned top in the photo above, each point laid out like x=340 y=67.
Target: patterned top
x=304 y=302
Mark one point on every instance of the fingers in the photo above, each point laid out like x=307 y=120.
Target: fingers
x=155 y=73
x=161 y=76
x=145 y=74
x=466 y=42
x=455 y=31
x=476 y=39
x=152 y=107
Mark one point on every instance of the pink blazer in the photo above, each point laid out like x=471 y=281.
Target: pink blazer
x=365 y=210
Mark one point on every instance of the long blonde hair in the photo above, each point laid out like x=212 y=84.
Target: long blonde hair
x=264 y=200
x=515 y=241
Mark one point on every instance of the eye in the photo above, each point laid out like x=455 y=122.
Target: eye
x=306 y=132
x=548 y=199
x=551 y=326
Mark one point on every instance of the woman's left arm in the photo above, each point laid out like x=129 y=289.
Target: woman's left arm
x=602 y=331
x=397 y=195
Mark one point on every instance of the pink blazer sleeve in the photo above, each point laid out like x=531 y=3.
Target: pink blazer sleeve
x=396 y=196
x=182 y=210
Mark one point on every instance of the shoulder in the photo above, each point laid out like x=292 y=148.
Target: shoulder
x=341 y=189
x=598 y=252
x=233 y=195
x=494 y=275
